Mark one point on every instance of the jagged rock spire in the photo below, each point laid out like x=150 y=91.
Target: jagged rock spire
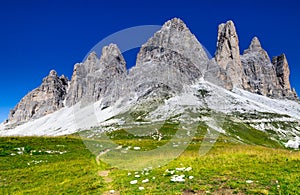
x=170 y=61
x=228 y=53
x=254 y=45
x=259 y=72
x=174 y=36
x=265 y=77
x=227 y=45
x=91 y=78
x=45 y=99
x=282 y=70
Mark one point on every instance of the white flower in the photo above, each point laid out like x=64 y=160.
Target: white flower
x=133 y=182
x=188 y=169
x=129 y=174
x=191 y=177
x=111 y=191
x=249 y=181
x=178 y=178
x=153 y=177
x=145 y=181
x=137 y=176
x=180 y=169
x=141 y=188
x=136 y=148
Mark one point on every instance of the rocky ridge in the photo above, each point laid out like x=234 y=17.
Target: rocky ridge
x=46 y=99
x=227 y=54
x=253 y=71
x=170 y=61
x=91 y=78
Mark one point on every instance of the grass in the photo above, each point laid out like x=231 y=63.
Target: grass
x=63 y=165
x=73 y=172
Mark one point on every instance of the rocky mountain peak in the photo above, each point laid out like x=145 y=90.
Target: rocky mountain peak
x=255 y=50
x=227 y=45
x=111 y=49
x=92 y=57
x=45 y=99
x=227 y=54
x=112 y=56
x=254 y=45
x=173 y=37
x=175 y=23
x=91 y=78
x=258 y=71
x=168 y=63
x=52 y=73
x=169 y=60
x=282 y=70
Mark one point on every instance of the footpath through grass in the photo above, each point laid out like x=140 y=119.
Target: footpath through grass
x=63 y=165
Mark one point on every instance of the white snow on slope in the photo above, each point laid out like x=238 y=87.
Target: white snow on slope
x=295 y=144
x=70 y=120
x=63 y=122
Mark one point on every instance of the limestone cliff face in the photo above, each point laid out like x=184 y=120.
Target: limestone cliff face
x=227 y=54
x=168 y=63
x=252 y=71
x=260 y=73
x=265 y=77
x=283 y=75
x=45 y=99
x=91 y=78
x=173 y=37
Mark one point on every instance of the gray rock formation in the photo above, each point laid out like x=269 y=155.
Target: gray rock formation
x=91 y=78
x=252 y=71
x=265 y=77
x=43 y=100
x=167 y=64
x=173 y=37
x=227 y=54
x=260 y=73
x=283 y=74
x=168 y=61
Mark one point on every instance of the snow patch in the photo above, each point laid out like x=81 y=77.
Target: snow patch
x=295 y=144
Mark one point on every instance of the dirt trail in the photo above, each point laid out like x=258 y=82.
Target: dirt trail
x=105 y=175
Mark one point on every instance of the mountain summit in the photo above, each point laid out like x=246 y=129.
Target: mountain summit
x=172 y=73
x=46 y=99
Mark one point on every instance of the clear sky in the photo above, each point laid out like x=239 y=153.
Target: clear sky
x=37 y=36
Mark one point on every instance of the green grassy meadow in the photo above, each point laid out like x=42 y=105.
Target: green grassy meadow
x=63 y=165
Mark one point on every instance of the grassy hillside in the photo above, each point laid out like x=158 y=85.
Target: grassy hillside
x=63 y=165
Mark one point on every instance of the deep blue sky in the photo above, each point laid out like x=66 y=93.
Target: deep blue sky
x=37 y=36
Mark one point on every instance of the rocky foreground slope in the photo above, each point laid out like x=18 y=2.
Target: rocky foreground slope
x=171 y=68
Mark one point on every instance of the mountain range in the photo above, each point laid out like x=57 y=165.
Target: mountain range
x=173 y=79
